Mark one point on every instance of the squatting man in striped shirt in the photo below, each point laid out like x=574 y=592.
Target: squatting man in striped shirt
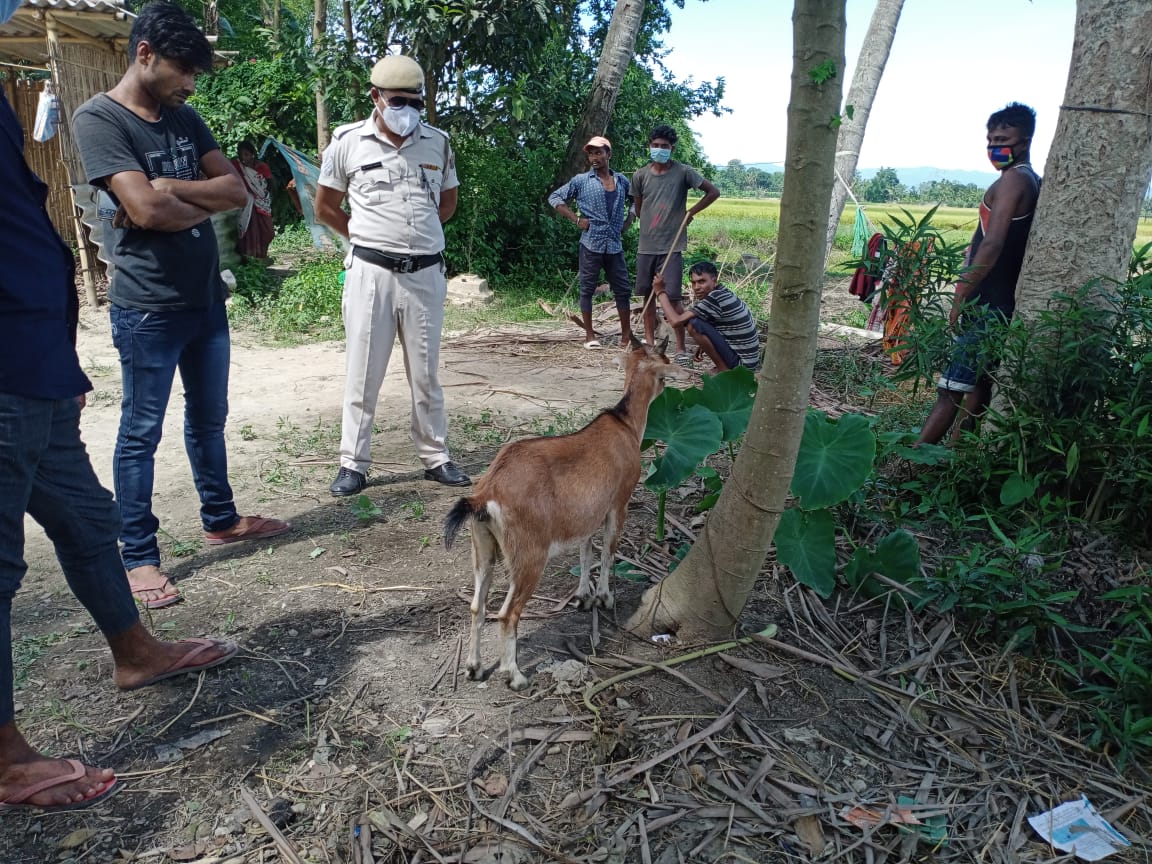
x=602 y=196
x=719 y=321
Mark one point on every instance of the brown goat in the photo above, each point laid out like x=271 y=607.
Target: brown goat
x=542 y=495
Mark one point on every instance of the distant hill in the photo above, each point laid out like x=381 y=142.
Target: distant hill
x=908 y=176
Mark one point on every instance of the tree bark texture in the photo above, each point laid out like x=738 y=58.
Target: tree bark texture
x=615 y=57
x=1101 y=157
x=865 y=82
x=319 y=34
x=706 y=594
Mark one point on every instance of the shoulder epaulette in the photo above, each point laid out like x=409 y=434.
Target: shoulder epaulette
x=440 y=132
x=341 y=131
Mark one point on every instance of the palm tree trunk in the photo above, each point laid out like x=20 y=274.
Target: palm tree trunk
x=706 y=594
x=1101 y=157
x=615 y=57
x=865 y=82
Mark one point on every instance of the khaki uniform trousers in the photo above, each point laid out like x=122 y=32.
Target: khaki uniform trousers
x=379 y=305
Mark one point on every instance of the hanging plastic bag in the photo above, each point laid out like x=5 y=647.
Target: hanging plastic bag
x=47 y=114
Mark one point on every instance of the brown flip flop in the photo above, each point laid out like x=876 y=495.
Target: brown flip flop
x=248 y=528
x=170 y=597
x=18 y=800
x=188 y=663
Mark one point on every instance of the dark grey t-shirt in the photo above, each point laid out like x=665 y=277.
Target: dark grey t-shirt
x=155 y=271
x=663 y=203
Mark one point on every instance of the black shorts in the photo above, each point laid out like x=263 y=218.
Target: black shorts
x=615 y=270
x=648 y=266
x=727 y=353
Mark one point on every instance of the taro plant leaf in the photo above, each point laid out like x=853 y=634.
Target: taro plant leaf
x=862 y=565
x=834 y=459
x=660 y=413
x=730 y=395
x=806 y=543
x=1017 y=489
x=689 y=436
x=897 y=556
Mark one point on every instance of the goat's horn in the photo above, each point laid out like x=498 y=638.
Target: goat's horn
x=663 y=345
x=637 y=345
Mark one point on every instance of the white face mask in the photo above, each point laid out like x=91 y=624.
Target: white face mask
x=402 y=121
x=8 y=9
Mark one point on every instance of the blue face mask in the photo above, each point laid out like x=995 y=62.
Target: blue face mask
x=8 y=9
x=660 y=154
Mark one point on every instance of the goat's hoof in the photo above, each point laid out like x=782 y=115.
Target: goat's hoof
x=474 y=673
x=586 y=602
x=606 y=601
x=517 y=681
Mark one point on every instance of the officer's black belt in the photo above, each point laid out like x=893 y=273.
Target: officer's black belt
x=392 y=262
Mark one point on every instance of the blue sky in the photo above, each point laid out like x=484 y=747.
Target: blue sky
x=953 y=63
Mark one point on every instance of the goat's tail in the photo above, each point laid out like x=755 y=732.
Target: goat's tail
x=459 y=514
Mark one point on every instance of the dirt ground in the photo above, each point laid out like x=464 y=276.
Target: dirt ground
x=346 y=730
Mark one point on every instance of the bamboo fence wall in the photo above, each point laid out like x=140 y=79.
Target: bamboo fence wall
x=44 y=159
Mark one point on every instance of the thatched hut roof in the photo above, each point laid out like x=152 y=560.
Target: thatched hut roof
x=100 y=24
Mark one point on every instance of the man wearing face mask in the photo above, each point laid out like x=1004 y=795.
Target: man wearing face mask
x=399 y=176
x=986 y=290
x=660 y=190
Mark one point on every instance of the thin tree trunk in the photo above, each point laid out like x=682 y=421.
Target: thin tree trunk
x=615 y=57
x=1101 y=157
x=319 y=34
x=349 y=32
x=865 y=82
x=706 y=594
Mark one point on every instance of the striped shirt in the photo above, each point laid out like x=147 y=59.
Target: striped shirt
x=733 y=319
x=605 y=220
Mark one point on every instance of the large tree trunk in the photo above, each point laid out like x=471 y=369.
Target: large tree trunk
x=319 y=34
x=703 y=598
x=1101 y=157
x=615 y=56
x=865 y=82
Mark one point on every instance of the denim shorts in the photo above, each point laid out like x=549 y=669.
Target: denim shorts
x=972 y=358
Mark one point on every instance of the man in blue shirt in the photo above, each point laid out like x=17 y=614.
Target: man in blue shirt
x=45 y=472
x=602 y=196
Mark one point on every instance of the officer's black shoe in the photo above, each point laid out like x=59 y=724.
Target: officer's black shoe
x=448 y=474
x=347 y=482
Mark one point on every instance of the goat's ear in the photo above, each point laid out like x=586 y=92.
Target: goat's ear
x=637 y=345
x=663 y=346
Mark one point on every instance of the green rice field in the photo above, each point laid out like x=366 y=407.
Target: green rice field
x=746 y=225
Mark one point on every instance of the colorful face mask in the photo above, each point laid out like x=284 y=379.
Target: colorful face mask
x=660 y=154
x=1000 y=155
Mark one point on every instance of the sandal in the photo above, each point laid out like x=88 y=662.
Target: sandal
x=592 y=344
x=248 y=528
x=683 y=358
x=188 y=663
x=169 y=594
x=18 y=800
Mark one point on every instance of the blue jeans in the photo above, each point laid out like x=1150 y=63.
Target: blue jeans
x=152 y=346
x=45 y=472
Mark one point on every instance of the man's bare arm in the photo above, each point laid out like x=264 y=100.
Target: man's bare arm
x=711 y=193
x=328 y=201
x=142 y=206
x=222 y=191
x=449 y=198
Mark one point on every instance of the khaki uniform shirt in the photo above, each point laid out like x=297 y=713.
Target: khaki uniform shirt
x=393 y=192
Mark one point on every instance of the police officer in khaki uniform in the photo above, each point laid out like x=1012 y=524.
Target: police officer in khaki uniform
x=400 y=179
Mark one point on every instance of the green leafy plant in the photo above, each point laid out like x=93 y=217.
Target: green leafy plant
x=692 y=424
x=365 y=509
x=835 y=460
